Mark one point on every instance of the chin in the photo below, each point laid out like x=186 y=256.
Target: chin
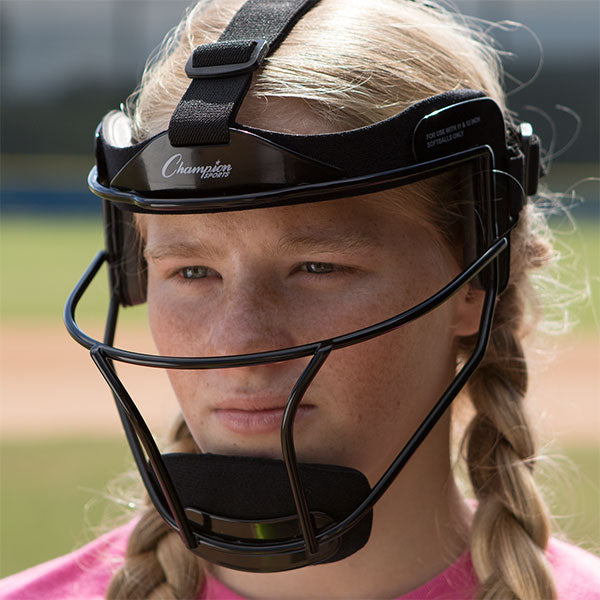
x=253 y=448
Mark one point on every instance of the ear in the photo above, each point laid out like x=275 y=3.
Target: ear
x=467 y=311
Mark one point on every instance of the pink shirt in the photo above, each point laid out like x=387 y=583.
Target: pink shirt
x=85 y=574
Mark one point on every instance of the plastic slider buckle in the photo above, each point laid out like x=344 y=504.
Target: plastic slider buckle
x=530 y=146
x=261 y=48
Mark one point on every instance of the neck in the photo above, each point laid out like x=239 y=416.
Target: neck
x=420 y=526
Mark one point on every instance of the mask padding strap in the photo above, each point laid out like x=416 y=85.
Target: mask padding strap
x=222 y=72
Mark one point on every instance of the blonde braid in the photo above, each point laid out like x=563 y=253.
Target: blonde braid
x=511 y=526
x=157 y=565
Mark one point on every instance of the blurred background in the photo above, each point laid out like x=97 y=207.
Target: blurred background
x=65 y=63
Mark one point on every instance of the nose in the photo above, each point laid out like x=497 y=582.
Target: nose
x=252 y=316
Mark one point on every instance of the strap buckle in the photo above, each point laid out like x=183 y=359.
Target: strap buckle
x=530 y=146
x=208 y=52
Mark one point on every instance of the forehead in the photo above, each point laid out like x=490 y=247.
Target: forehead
x=377 y=220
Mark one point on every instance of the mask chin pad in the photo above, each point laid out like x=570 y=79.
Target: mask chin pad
x=225 y=496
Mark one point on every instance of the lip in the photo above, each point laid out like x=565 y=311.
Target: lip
x=256 y=415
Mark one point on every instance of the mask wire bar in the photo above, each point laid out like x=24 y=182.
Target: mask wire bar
x=289 y=452
x=133 y=438
x=137 y=431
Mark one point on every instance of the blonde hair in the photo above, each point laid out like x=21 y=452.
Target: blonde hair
x=511 y=526
x=157 y=565
x=352 y=63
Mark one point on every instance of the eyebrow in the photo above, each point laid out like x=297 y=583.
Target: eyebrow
x=181 y=250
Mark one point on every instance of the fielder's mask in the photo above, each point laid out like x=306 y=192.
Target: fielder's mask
x=289 y=514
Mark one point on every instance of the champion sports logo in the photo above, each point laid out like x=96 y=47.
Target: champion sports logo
x=175 y=166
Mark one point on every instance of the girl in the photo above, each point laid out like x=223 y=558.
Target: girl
x=329 y=206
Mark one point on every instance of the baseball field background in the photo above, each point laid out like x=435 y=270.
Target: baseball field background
x=62 y=453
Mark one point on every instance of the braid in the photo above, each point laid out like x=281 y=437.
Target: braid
x=157 y=565
x=511 y=526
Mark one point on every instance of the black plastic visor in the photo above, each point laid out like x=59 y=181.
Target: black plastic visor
x=259 y=168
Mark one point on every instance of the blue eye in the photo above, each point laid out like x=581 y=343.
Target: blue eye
x=194 y=272
x=319 y=268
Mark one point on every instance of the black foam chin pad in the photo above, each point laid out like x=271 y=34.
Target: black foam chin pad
x=247 y=488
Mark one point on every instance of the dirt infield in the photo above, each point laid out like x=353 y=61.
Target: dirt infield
x=49 y=387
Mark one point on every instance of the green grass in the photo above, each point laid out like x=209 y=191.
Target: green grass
x=40 y=262
x=53 y=493
x=41 y=259
x=578 y=273
x=571 y=486
x=46 y=486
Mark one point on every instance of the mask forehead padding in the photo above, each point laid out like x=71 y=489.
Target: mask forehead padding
x=373 y=148
x=245 y=488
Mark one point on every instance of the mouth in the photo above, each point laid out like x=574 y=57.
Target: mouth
x=252 y=418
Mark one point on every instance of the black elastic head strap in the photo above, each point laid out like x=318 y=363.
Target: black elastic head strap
x=221 y=72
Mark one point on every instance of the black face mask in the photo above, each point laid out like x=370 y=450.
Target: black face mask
x=289 y=514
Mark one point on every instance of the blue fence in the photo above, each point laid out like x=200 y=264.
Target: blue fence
x=76 y=202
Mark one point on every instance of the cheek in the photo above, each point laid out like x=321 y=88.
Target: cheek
x=190 y=388
x=174 y=323
x=173 y=336
x=163 y=325
x=396 y=368
x=379 y=391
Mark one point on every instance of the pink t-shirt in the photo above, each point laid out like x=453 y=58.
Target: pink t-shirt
x=85 y=574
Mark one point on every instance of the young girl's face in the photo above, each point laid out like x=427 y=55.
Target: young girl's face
x=241 y=282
